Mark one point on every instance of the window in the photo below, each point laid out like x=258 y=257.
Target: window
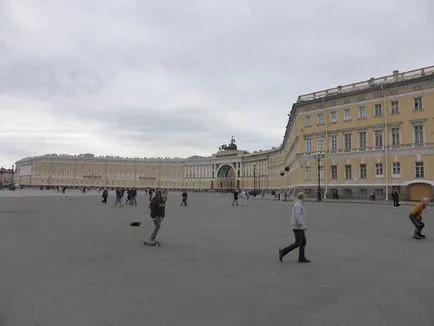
x=379 y=170
x=378 y=138
x=320 y=118
x=347 y=114
x=334 y=172
x=308 y=191
x=378 y=110
x=418 y=134
x=347 y=142
x=379 y=192
x=363 y=171
x=348 y=172
x=420 y=170
x=395 y=133
x=363 y=193
x=362 y=140
x=394 y=107
x=320 y=143
x=396 y=169
x=333 y=116
x=362 y=112
x=418 y=104
x=308 y=121
x=348 y=192
x=308 y=171
x=334 y=143
x=308 y=144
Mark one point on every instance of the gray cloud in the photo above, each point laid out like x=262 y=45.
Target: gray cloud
x=163 y=78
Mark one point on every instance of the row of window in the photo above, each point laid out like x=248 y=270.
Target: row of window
x=348 y=193
x=378 y=112
x=419 y=171
x=347 y=140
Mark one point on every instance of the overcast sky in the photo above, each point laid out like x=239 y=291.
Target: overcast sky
x=179 y=78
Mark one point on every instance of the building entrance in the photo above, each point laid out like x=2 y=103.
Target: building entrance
x=225 y=178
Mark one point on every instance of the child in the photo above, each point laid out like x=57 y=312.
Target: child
x=416 y=218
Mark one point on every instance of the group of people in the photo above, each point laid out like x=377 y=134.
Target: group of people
x=240 y=194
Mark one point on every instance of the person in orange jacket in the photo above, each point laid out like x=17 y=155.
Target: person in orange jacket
x=416 y=218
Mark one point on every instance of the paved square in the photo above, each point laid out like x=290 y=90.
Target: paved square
x=70 y=260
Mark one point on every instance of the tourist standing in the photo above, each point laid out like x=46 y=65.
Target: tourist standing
x=243 y=196
x=395 y=198
x=298 y=226
x=104 y=196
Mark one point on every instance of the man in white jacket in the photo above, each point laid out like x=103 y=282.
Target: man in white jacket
x=298 y=226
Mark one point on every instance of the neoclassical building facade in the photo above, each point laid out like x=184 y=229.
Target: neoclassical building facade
x=370 y=136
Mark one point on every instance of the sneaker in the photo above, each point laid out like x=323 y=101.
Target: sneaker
x=280 y=255
x=423 y=236
x=304 y=261
x=417 y=237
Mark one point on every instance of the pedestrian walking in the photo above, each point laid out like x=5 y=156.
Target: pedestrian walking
x=298 y=226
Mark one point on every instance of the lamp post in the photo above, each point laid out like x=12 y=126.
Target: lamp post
x=254 y=180
x=12 y=178
x=318 y=158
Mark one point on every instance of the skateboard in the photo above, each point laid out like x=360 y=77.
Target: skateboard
x=151 y=243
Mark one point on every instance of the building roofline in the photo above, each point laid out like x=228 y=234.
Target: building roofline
x=389 y=80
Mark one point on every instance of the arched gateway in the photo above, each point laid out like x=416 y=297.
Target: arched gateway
x=226 y=177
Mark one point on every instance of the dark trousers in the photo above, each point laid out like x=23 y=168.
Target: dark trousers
x=157 y=225
x=300 y=242
x=418 y=224
x=184 y=202
x=395 y=201
x=104 y=200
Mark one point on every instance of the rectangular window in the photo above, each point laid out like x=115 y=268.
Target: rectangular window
x=394 y=107
x=308 y=191
x=396 y=169
x=378 y=139
x=420 y=170
x=320 y=143
x=334 y=172
x=363 y=193
x=362 y=112
x=362 y=140
x=378 y=110
x=333 y=116
x=320 y=118
x=395 y=135
x=418 y=134
x=363 y=171
x=308 y=173
x=348 y=192
x=418 y=105
x=347 y=114
x=347 y=142
x=379 y=170
x=307 y=121
x=334 y=143
x=348 y=172
x=308 y=144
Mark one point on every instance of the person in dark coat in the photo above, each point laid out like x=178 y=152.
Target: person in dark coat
x=156 y=207
x=104 y=196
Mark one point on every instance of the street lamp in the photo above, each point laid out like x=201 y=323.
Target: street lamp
x=319 y=157
x=12 y=178
x=254 y=179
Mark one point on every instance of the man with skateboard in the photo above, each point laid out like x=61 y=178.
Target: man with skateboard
x=156 y=206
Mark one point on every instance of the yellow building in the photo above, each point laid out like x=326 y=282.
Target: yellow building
x=366 y=137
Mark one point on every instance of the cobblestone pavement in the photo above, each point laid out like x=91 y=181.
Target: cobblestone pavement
x=70 y=260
